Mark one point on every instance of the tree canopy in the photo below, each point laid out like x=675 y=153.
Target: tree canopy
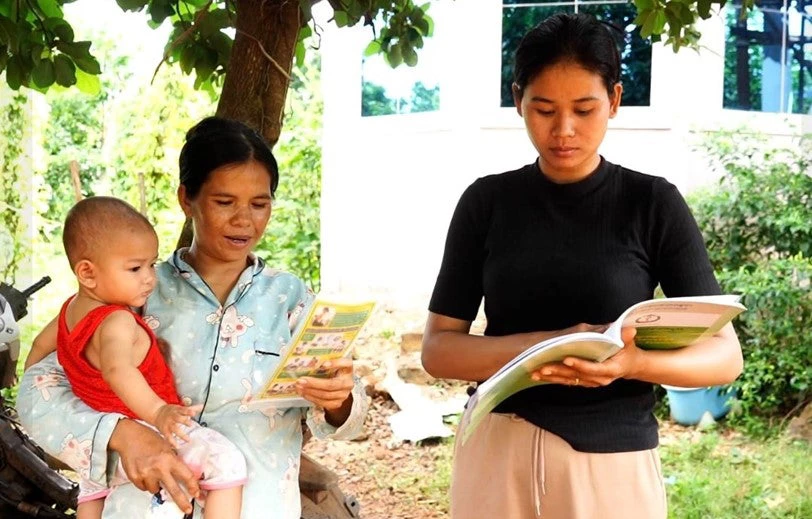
x=258 y=41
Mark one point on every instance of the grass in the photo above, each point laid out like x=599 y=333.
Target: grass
x=714 y=474
x=722 y=476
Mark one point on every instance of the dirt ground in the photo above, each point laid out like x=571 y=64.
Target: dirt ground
x=402 y=480
x=390 y=479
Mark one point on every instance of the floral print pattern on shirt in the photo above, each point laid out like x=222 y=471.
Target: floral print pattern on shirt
x=220 y=356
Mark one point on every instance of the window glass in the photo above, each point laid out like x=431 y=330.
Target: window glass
x=768 y=57
x=635 y=52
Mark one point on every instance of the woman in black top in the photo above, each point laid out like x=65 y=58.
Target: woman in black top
x=567 y=240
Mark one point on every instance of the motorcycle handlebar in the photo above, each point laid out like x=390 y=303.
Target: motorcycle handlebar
x=28 y=292
x=18 y=300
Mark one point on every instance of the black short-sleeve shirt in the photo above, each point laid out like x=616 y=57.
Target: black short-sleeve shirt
x=545 y=256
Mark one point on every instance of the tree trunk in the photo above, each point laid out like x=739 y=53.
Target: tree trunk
x=255 y=88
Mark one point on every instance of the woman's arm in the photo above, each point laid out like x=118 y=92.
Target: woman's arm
x=151 y=463
x=61 y=423
x=83 y=438
x=714 y=361
x=342 y=399
x=449 y=351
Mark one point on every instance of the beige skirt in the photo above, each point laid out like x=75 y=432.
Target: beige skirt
x=511 y=469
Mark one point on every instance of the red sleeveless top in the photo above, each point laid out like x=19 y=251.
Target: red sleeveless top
x=87 y=382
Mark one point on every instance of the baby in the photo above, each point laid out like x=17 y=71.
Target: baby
x=114 y=361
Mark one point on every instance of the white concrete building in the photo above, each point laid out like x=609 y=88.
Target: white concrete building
x=390 y=183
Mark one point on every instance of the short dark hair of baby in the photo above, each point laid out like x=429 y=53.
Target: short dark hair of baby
x=92 y=224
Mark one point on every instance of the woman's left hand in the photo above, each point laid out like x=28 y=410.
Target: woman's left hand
x=330 y=393
x=579 y=372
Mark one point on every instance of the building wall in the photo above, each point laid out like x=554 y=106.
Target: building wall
x=390 y=183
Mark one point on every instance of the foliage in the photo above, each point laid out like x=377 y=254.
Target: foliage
x=151 y=132
x=292 y=241
x=756 y=228
x=676 y=19
x=424 y=99
x=37 y=45
x=763 y=206
x=75 y=132
x=374 y=100
x=726 y=476
x=774 y=335
x=12 y=244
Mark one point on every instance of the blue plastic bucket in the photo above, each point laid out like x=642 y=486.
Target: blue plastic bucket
x=688 y=404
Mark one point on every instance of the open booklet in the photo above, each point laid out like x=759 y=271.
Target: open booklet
x=661 y=324
x=325 y=333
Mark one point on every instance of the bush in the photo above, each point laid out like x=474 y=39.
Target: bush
x=757 y=230
x=776 y=343
x=762 y=207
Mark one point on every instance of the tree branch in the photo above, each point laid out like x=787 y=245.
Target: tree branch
x=185 y=34
x=45 y=30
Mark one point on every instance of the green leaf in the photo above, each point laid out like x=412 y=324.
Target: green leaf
x=65 y=71
x=703 y=8
x=301 y=51
x=50 y=8
x=14 y=73
x=8 y=32
x=659 y=23
x=132 y=5
x=213 y=22
x=43 y=74
x=36 y=51
x=222 y=44
x=373 y=48
x=88 y=83
x=60 y=28
x=187 y=59
x=423 y=25
x=79 y=51
x=409 y=55
x=306 y=6
x=88 y=63
x=686 y=15
x=160 y=10
x=395 y=56
x=205 y=62
x=74 y=49
x=648 y=26
x=341 y=18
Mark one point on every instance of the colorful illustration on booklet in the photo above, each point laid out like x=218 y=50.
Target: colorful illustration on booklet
x=282 y=388
x=322 y=344
x=326 y=334
x=323 y=316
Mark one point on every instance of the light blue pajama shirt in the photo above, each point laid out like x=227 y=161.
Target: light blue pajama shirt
x=220 y=355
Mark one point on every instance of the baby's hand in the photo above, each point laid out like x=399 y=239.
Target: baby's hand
x=170 y=419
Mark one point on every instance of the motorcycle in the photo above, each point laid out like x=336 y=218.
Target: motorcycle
x=30 y=482
x=29 y=486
